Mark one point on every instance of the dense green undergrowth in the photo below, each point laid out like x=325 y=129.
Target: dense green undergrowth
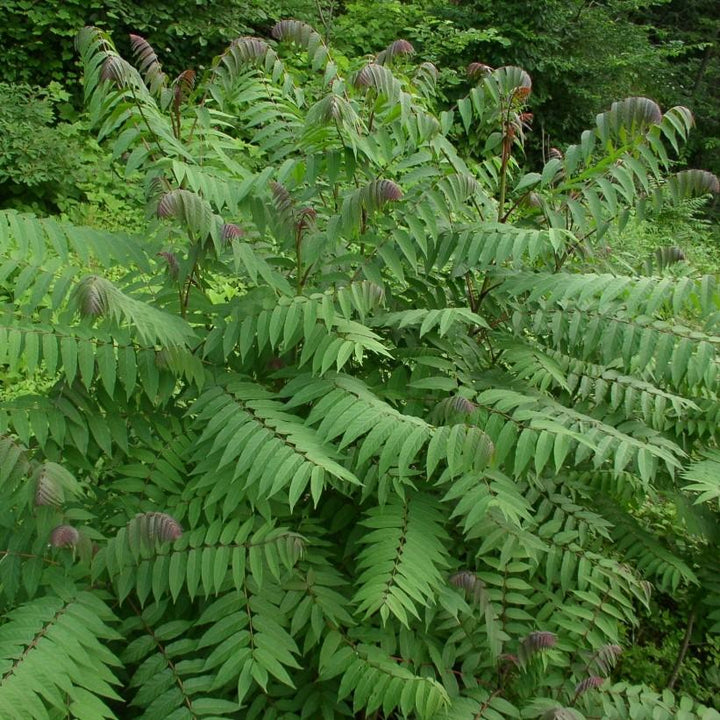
x=582 y=55
x=360 y=418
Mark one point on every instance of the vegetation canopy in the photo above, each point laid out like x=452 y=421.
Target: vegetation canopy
x=359 y=422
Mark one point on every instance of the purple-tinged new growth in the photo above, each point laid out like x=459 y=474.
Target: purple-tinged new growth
x=91 y=295
x=539 y=640
x=605 y=658
x=305 y=217
x=536 y=642
x=401 y=47
x=633 y=114
x=64 y=536
x=161 y=526
x=282 y=198
x=469 y=582
x=307 y=212
x=166 y=206
x=51 y=483
x=147 y=62
x=464 y=579
x=387 y=190
x=589 y=683
x=185 y=206
x=364 y=78
x=48 y=491
x=184 y=85
x=147 y=529
x=398 y=47
x=298 y=32
x=462 y=405
x=428 y=70
x=250 y=48
x=694 y=182
x=478 y=70
x=112 y=69
x=230 y=231
x=391 y=191
x=143 y=52
x=283 y=204
x=173 y=265
x=330 y=109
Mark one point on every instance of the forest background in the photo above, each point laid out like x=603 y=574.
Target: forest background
x=582 y=56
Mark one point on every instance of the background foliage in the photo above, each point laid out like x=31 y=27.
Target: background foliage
x=582 y=55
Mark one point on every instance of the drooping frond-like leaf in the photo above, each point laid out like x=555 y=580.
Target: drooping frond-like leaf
x=95 y=296
x=14 y=466
x=425 y=79
x=379 y=78
x=704 y=478
x=183 y=86
x=631 y=116
x=663 y=258
x=52 y=482
x=691 y=183
x=393 y=50
x=306 y=37
x=54 y=660
x=149 y=556
x=148 y=62
x=401 y=565
x=478 y=70
x=64 y=536
x=368 y=668
x=261 y=449
x=248 y=52
x=511 y=81
x=332 y=109
x=368 y=199
x=191 y=209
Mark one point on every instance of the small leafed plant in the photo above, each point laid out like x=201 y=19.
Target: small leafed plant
x=357 y=424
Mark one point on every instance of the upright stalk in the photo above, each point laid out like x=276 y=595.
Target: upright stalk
x=298 y=257
x=682 y=652
x=506 y=147
x=195 y=258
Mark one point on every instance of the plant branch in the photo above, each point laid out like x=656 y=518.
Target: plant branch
x=682 y=652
